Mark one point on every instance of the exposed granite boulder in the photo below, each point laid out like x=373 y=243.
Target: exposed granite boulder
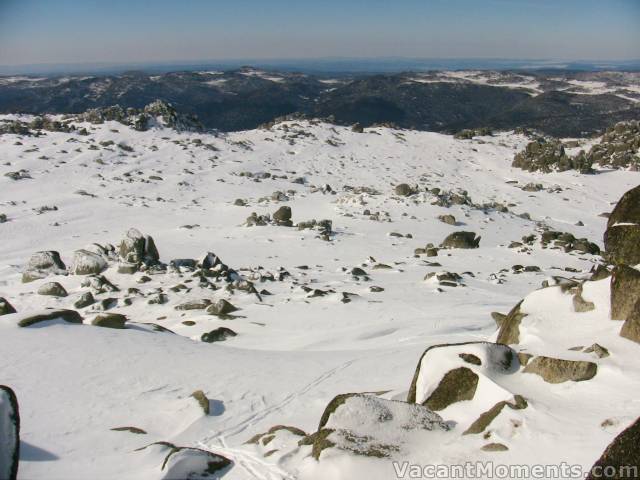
x=556 y=370
x=42 y=264
x=510 y=326
x=138 y=248
x=110 y=320
x=631 y=326
x=625 y=291
x=52 y=289
x=87 y=263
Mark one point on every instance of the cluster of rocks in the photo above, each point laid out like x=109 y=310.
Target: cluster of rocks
x=469 y=133
x=282 y=218
x=559 y=240
x=548 y=155
x=143 y=119
x=39 y=124
x=619 y=147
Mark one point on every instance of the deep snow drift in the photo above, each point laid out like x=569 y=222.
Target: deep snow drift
x=316 y=328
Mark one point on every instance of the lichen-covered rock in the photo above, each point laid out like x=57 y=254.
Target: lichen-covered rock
x=457 y=385
x=622 y=456
x=53 y=289
x=557 y=370
x=5 y=307
x=42 y=264
x=9 y=434
x=87 y=263
x=622 y=236
x=625 y=291
x=461 y=240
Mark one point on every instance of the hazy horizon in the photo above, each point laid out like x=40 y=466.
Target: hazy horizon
x=74 y=32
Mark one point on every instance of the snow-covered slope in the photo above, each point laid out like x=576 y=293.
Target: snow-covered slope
x=325 y=329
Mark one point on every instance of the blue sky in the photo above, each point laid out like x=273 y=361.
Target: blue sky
x=94 y=31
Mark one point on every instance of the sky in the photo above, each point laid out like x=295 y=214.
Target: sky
x=121 y=31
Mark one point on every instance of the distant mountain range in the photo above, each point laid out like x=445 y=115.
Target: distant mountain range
x=558 y=103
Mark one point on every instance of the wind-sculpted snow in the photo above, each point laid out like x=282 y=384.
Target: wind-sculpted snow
x=173 y=286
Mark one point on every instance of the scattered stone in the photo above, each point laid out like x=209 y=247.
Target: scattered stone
x=404 y=190
x=494 y=447
x=485 y=419
x=110 y=320
x=5 y=307
x=135 y=430
x=221 y=307
x=599 y=350
x=202 y=400
x=53 y=289
x=461 y=240
x=85 y=300
x=218 y=335
x=282 y=216
x=448 y=219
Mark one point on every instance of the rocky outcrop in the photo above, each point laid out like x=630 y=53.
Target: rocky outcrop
x=631 y=326
x=110 y=320
x=548 y=155
x=219 y=334
x=619 y=146
x=622 y=236
x=9 y=434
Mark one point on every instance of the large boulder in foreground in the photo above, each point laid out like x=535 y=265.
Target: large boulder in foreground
x=9 y=434
x=631 y=327
x=621 y=457
x=622 y=236
x=461 y=240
